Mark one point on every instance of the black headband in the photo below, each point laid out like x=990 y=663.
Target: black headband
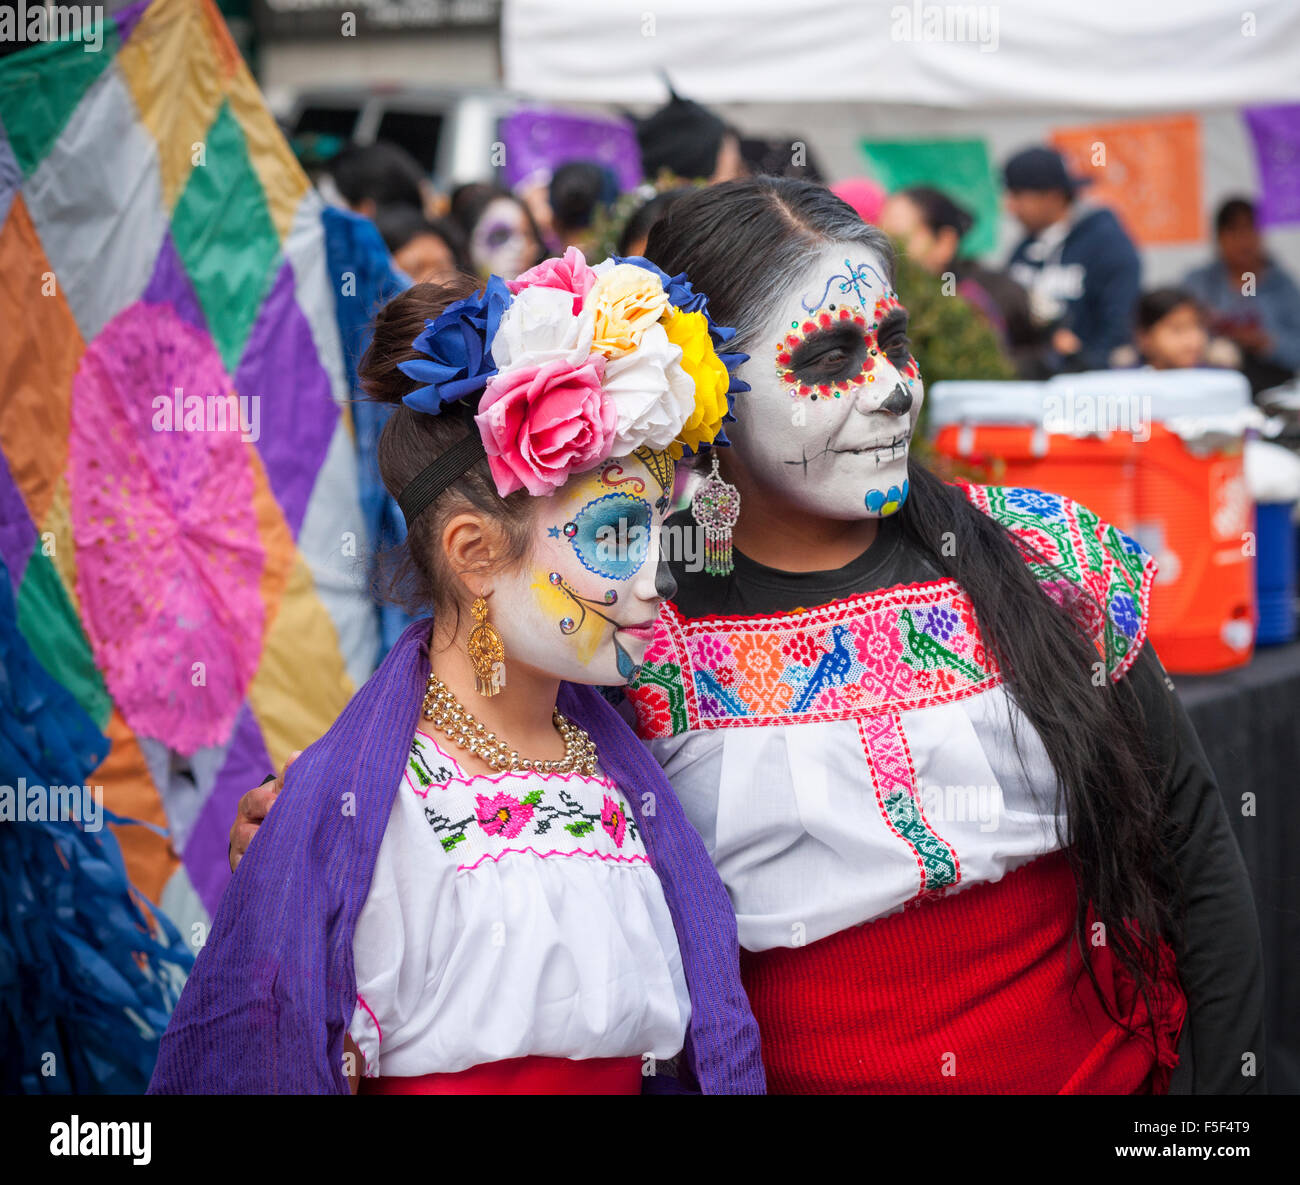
x=435 y=477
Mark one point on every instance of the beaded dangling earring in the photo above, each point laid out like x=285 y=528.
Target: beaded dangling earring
x=716 y=507
x=487 y=654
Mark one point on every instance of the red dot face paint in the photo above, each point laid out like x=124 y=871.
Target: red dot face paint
x=837 y=349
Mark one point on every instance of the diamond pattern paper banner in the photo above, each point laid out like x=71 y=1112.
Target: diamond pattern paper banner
x=179 y=516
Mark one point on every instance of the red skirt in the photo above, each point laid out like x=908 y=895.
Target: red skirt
x=976 y=992
x=522 y=1075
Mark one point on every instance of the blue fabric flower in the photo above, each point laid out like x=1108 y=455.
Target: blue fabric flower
x=1036 y=502
x=458 y=349
x=1124 y=613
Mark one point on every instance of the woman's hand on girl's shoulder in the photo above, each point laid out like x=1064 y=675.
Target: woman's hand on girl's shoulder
x=253 y=808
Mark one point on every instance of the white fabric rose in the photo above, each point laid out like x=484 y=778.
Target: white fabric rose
x=652 y=395
x=539 y=326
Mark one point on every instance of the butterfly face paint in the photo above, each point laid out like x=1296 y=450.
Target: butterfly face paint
x=583 y=606
x=829 y=419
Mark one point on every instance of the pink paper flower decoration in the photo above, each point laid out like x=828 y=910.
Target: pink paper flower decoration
x=169 y=559
x=540 y=423
x=570 y=273
x=502 y=815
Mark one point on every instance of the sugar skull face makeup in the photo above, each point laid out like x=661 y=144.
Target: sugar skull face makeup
x=835 y=391
x=502 y=243
x=583 y=605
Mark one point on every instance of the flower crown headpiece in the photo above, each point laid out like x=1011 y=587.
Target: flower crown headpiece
x=576 y=364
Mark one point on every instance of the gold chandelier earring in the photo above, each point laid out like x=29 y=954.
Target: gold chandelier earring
x=486 y=653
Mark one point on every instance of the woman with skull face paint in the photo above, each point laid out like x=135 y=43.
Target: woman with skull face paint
x=503 y=236
x=930 y=708
x=510 y=899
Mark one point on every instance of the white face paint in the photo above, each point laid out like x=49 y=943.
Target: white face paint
x=583 y=605
x=502 y=243
x=835 y=391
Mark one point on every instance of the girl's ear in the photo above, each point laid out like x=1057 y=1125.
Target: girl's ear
x=476 y=549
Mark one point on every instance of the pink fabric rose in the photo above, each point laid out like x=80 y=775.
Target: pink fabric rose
x=570 y=273
x=542 y=423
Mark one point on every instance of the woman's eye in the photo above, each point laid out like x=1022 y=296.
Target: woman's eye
x=828 y=361
x=898 y=351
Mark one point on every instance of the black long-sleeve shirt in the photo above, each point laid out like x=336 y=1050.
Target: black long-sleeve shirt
x=1220 y=960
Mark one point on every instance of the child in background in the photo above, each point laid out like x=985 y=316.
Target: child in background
x=1171 y=333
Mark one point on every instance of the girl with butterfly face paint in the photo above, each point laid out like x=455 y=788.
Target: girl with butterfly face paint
x=516 y=903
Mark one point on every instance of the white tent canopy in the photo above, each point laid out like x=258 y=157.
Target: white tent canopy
x=1102 y=55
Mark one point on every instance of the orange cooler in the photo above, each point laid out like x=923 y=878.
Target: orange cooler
x=1156 y=453
x=1194 y=512
x=1041 y=441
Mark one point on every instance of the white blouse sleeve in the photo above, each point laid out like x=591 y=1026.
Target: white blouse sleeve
x=378 y=946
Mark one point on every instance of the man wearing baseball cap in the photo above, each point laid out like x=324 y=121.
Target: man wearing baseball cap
x=1078 y=265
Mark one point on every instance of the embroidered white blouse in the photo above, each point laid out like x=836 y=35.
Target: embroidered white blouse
x=511 y=916
x=848 y=761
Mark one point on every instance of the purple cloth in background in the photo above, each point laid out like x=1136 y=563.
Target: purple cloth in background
x=128 y=17
x=537 y=138
x=281 y=369
x=17 y=531
x=11 y=177
x=1276 y=133
x=273 y=990
x=205 y=855
x=170 y=284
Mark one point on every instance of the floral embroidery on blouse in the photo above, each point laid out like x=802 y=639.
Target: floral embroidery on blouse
x=546 y=814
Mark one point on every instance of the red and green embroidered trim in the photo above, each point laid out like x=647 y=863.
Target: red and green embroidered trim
x=893 y=775
x=888 y=651
x=891 y=650
x=1098 y=573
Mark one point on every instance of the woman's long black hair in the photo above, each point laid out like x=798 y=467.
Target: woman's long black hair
x=744 y=244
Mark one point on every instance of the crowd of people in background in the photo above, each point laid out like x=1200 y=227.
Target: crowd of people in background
x=1070 y=297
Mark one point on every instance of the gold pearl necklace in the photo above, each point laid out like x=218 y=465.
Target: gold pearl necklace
x=450 y=718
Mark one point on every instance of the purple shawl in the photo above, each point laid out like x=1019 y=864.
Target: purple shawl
x=272 y=991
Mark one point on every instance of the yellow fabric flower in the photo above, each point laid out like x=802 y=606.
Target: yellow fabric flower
x=625 y=302
x=690 y=331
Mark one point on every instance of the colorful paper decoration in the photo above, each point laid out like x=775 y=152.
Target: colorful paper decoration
x=1148 y=171
x=179 y=516
x=544 y=138
x=1276 y=134
x=960 y=168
